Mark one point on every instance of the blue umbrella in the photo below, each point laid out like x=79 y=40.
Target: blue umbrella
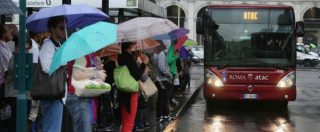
x=184 y=53
x=83 y=42
x=77 y=16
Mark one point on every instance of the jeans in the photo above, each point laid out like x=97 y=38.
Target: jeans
x=52 y=111
x=79 y=109
x=34 y=110
x=142 y=116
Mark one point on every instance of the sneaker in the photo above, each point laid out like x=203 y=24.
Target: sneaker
x=175 y=101
x=109 y=128
x=179 y=95
x=146 y=125
x=173 y=116
x=139 y=129
x=159 y=119
x=171 y=108
x=167 y=118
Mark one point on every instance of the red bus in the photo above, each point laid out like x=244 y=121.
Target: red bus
x=249 y=52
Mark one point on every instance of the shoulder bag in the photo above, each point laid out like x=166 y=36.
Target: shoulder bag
x=148 y=88
x=45 y=87
x=124 y=81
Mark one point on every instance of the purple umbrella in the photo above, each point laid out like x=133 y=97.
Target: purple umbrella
x=173 y=35
x=77 y=16
x=180 y=32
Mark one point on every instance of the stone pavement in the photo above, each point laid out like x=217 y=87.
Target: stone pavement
x=195 y=84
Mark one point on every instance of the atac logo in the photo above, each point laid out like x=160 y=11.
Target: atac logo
x=250 y=76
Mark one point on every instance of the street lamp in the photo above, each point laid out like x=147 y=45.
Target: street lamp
x=178 y=15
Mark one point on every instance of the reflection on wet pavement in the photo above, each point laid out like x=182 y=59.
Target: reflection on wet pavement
x=302 y=115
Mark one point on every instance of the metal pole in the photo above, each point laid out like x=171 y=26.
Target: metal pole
x=66 y=2
x=3 y=19
x=105 y=6
x=178 y=16
x=29 y=11
x=121 y=15
x=21 y=121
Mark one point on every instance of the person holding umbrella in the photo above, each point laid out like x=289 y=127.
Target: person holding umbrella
x=52 y=110
x=163 y=80
x=5 y=57
x=129 y=101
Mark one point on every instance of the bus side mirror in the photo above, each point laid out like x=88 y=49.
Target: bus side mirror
x=299 y=29
x=200 y=25
x=214 y=26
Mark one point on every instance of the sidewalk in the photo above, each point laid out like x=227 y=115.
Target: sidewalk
x=155 y=126
x=195 y=85
x=302 y=68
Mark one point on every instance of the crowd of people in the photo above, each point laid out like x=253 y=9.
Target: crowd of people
x=82 y=114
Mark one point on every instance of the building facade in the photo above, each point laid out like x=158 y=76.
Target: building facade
x=305 y=10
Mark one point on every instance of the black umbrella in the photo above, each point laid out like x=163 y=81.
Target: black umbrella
x=8 y=7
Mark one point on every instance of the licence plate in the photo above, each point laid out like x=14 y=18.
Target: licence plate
x=250 y=96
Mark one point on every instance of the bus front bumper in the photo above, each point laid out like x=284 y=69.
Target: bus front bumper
x=241 y=92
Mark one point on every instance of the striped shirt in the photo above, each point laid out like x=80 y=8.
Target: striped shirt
x=5 y=56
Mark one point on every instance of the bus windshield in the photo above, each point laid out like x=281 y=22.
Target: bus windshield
x=250 y=37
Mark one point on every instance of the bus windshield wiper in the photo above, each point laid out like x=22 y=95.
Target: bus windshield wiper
x=273 y=65
x=223 y=66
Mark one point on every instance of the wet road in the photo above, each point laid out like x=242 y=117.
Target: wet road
x=302 y=115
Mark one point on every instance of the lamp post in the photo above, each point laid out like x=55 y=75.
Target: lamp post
x=179 y=12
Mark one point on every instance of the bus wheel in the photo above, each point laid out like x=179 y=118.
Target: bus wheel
x=307 y=63
x=211 y=104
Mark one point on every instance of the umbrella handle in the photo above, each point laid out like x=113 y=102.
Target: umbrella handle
x=142 y=44
x=65 y=28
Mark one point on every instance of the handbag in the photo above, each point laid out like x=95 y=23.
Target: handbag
x=90 y=88
x=45 y=87
x=124 y=81
x=148 y=88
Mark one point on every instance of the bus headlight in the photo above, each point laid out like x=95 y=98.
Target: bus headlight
x=287 y=81
x=213 y=80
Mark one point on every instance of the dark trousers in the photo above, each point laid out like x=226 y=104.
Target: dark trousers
x=13 y=103
x=184 y=81
x=67 y=121
x=105 y=110
x=163 y=99
x=4 y=124
x=142 y=116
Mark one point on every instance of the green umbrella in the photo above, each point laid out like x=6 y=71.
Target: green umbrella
x=189 y=42
x=312 y=45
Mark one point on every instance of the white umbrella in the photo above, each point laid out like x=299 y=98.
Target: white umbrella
x=144 y=27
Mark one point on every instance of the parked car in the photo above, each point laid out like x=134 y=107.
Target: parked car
x=316 y=50
x=305 y=57
x=198 y=51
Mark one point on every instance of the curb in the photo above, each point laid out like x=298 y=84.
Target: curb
x=196 y=92
x=308 y=69
x=182 y=108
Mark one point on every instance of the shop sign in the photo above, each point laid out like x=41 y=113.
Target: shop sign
x=40 y=3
